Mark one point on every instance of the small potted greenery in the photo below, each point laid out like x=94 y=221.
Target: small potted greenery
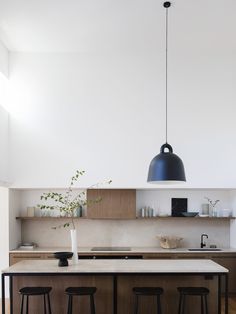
x=67 y=203
x=212 y=204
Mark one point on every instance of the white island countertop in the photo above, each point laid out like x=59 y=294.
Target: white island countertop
x=168 y=266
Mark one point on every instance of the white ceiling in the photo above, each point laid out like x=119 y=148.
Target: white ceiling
x=114 y=25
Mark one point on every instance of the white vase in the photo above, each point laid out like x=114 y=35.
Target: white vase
x=73 y=234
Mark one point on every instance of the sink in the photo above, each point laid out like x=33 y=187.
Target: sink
x=205 y=250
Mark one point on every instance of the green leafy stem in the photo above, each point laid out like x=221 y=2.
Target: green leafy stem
x=67 y=203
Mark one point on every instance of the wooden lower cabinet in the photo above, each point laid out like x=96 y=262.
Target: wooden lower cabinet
x=17 y=257
x=230 y=264
x=170 y=297
x=104 y=294
x=227 y=260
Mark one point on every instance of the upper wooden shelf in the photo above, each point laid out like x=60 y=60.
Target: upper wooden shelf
x=195 y=217
x=47 y=218
x=139 y=218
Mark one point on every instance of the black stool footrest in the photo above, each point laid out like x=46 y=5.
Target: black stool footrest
x=80 y=290
x=35 y=290
x=148 y=290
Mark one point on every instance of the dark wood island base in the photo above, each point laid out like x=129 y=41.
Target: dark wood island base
x=114 y=286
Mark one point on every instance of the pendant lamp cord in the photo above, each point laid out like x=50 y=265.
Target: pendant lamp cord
x=166 y=70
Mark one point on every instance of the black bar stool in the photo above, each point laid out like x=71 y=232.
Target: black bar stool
x=79 y=291
x=193 y=291
x=33 y=291
x=148 y=291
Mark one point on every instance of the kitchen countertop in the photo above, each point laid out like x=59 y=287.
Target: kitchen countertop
x=118 y=266
x=134 y=250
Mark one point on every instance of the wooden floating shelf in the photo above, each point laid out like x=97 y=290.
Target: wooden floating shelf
x=139 y=218
x=47 y=218
x=195 y=217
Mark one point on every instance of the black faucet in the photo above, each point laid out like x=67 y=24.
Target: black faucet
x=203 y=243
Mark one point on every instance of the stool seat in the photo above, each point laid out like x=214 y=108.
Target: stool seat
x=193 y=291
x=28 y=292
x=35 y=290
x=80 y=290
x=148 y=290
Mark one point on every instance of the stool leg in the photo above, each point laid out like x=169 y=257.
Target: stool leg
x=49 y=304
x=136 y=305
x=69 y=310
x=71 y=304
x=22 y=304
x=180 y=304
x=202 y=308
x=158 y=304
x=183 y=305
x=44 y=304
x=27 y=304
x=92 y=305
x=206 y=307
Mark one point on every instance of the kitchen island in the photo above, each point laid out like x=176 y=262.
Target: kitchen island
x=114 y=280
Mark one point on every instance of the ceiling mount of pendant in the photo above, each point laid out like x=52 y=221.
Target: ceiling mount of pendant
x=167 y=4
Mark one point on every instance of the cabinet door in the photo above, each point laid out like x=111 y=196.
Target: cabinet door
x=230 y=264
x=191 y=256
x=114 y=204
x=17 y=257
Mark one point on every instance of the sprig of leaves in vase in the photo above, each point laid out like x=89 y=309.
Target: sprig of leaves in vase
x=67 y=203
x=211 y=202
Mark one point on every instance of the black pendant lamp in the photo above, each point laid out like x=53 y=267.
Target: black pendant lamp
x=166 y=167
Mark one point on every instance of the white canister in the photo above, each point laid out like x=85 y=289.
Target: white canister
x=226 y=212
x=205 y=209
x=30 y=211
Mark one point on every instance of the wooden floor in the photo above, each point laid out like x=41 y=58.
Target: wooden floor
x=232 y=307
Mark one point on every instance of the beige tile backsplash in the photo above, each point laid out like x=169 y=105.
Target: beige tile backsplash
x=128 y=232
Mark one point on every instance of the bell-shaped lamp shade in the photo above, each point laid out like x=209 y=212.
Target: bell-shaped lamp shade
x=166 y=168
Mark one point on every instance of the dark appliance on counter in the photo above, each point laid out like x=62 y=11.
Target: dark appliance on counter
x=118 y=252
x=110 y=256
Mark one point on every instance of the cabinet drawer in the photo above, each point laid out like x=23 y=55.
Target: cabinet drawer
x=17 y=257
x=158 y=256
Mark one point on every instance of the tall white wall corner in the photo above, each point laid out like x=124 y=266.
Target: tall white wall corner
x=4 y=147
x=4 y=228
x=4 y=60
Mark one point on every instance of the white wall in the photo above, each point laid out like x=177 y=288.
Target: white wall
x=4 y=229
x=15 y=225
x=4 y=146
x=4 y=59
x=105 y=114
x=4 y=118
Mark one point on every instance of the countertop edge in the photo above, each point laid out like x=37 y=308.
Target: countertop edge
x=134 y=250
